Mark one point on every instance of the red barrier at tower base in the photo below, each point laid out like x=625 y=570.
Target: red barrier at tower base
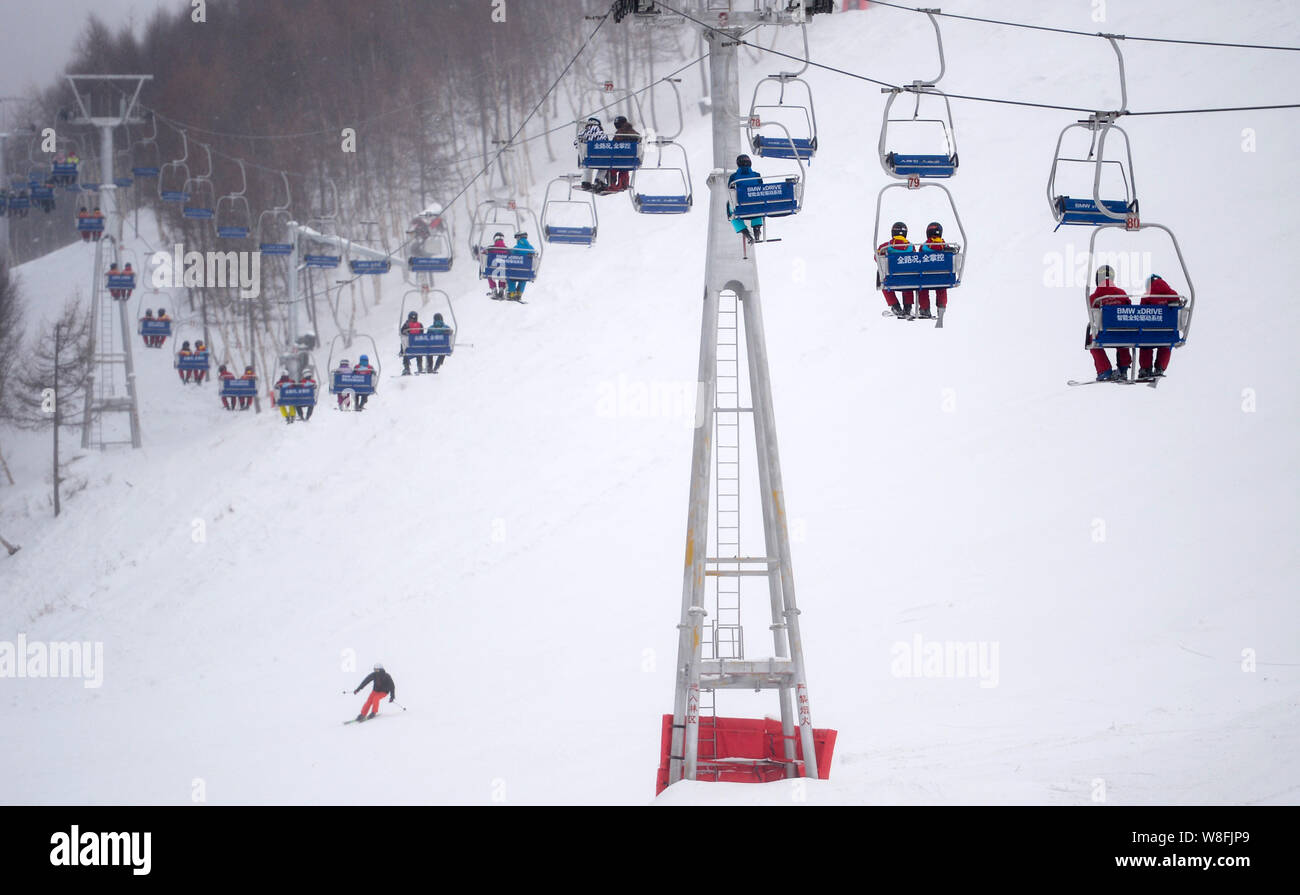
x=744 y=750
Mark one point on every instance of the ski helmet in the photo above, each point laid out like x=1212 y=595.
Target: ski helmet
x=593 y=120
x=344 y=363
x=1104 y=273
x=365 y=359
x=620 y=121
x=185 y=344
x=934 y=230
x=521 y=235
x=412 y=316
x=221 y=369
x=148 y=312
x=437 y=318
x=162 y=311
x=284 y=371
x=899 y=229
x=498 y=236
x=743 y=161
x=379 y=666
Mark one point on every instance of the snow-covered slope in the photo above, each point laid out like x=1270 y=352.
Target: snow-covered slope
x=507 y=537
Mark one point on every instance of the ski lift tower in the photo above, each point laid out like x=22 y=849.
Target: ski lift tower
x=107 y=102
x=712 y=652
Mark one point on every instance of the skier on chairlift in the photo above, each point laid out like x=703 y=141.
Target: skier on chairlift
x=1107 y=293
x=411 y=326
x=898 y=242
x=752 y=228
x=521 y=247
x=592 y=130
x=933 y=243
x=1158 y=293
x=498 y=247
x=363 y=368
x=623 y=130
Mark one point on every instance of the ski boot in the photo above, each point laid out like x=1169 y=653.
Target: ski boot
x=758 y=233
x=924 y=314
x=1146 y=373
x=898 y=312
x=361 y=717
x=1123 y=373
x=1106 y=376
x=749 y=237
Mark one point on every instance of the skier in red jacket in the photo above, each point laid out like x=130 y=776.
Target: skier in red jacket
x=495 y=250
x=897 y=243
x=225 y=376
x=1158 y=293
x=1107 y=293
x=410 y=327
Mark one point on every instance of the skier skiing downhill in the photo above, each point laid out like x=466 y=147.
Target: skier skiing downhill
x=383 y=686
x=898 y=243
x=1107 y=293
x=1158 y=293
x=744 y=171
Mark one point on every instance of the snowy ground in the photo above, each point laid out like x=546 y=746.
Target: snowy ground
x=507 y=537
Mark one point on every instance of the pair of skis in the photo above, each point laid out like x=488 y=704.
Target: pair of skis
x=888 y=312
x=1152 y=382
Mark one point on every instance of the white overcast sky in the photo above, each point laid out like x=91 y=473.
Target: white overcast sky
x=38 y=35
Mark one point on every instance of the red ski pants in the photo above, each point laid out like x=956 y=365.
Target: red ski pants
x=372 y=702
x=893 y=301
x=941 y=298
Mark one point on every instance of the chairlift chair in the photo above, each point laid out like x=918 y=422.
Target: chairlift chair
x=916 y=269
x=353 y=383
x=769 y=197
x=148 y=161
x=1068 y=210
x=273 y=226
x=652 y=197
x=903 y=166
x=234 y=219
x=440 y=343
x=570 y=219
x=201 y=193
x=1141 y=325
x=173 y=176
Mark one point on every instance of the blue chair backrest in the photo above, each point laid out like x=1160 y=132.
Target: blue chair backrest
x=275 y=248
x=427 y=264
x=121 y=281
x=239 y=388
x=662 y=204
x=65 y=169
x=232 y=232
x=580 y=236
x=42 y=192
x=199 y=361
x=145 y=171
x=357 y=383
x=196 y=213
x=370 y=266
x=1138 y=325
x=508 y=265
x=920 y=270
x=781 y=147
x=923 y=165
x=296 y=395
x=152 y=326
x=756 y=198
x=430 y=343
x=1084 y=211
x=90 y=225
x=616 y=155
x=325 y=262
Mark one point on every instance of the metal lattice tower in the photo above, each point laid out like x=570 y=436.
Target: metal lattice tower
x=712 y=653
x=112 y=378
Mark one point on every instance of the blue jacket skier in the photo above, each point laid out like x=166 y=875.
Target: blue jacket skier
x=745 y=172
x=521 y=247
